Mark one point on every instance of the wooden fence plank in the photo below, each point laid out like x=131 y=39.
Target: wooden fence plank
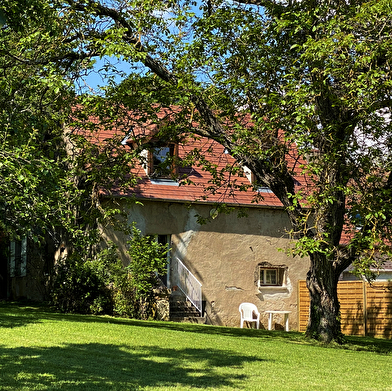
x=303 y=305
x=365 y=309
x=379 y=309
x=351 y=298
x=350 y=294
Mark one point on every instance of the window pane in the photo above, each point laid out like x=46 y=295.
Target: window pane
x=18 y=258
x=161 y=154
x=270 y=277
x=160 y=168
x=23 y=257
x=164 y=239
x=12 y=259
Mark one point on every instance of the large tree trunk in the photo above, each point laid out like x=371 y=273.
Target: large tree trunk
x=324 y=312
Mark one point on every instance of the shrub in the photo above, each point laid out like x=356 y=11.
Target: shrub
x=86 y=285
x=148 y=259
x=101 y=285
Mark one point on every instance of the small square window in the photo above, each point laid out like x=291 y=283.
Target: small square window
x=272 y=276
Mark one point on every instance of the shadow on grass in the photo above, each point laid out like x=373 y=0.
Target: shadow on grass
x=19 y=314
x=16 y=314
x=369 y=344
x=114 y=367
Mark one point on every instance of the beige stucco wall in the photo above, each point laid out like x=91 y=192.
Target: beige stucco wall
x=224 y=255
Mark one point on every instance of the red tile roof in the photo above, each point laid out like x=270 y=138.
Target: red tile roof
x=197 y=191
x=180 y=192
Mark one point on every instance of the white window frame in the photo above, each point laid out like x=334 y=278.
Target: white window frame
x=265 y=281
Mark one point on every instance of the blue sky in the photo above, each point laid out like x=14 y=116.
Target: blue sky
x=93 y=80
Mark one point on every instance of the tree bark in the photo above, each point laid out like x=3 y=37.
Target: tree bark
x=324 y=310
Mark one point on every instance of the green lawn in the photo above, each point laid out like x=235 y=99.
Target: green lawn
x=43 y=350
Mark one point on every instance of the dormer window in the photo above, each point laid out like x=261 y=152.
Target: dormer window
x=161 y=162
x=251 y=177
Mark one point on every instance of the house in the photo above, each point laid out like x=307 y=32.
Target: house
x=381 y=273
x=217 y=260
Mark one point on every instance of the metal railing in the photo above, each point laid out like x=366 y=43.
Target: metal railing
x=188 y=284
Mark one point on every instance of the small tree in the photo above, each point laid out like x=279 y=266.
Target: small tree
x=148 y=260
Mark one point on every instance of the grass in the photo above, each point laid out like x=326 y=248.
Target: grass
x=44 y=350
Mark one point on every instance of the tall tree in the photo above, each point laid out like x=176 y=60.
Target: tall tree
x=31 y=117
x=45 y=189
x=314 y=73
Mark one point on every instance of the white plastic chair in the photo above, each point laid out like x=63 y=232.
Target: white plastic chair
x=247 y=310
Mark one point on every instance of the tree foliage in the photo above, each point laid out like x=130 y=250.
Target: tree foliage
x=29 y=117
x=50 y=178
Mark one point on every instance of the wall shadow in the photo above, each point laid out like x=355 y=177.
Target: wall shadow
x=116 y=367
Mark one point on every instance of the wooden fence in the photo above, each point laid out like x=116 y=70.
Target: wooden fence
x=365 y=309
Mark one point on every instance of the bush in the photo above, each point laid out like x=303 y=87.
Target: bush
x=86 y=285
x=148 y=259
x=101 y=285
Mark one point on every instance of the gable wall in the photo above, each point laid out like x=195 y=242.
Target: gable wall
x=224 y=255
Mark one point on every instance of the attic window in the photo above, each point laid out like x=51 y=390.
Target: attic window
x=251 y=177
x=161 y=163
